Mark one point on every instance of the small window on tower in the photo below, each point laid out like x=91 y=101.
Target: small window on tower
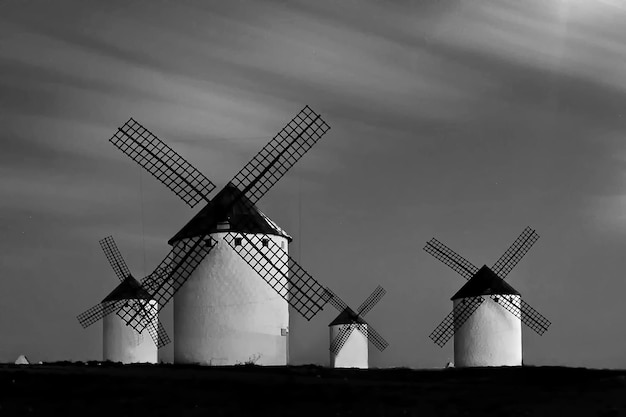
x=223 y=226
x=238 y=241
x=266 y=243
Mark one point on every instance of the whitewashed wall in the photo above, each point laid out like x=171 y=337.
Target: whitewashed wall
x=492 y=336
x=227 y=314
x=122 y=343
x=354 y=353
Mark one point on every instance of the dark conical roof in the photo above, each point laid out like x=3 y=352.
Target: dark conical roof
x=129 y=289
x=242 y=216
x=484 y=282
x=347 y=316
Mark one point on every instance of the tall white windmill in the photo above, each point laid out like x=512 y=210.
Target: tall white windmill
x=223 y=314
x=487 y=330
x=121 y=343
x=349 y=349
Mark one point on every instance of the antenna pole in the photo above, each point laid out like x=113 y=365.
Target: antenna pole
x=143 y=234
x=299 y=219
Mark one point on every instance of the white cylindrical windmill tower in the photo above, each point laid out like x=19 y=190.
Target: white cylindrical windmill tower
x=226 y=314
x=491 y=336
x=354 y=351
x=122 y=343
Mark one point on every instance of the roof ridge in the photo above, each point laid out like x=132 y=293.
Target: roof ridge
x=128 y=289
x=231 y=206
x=347 y=316
x=484 y=282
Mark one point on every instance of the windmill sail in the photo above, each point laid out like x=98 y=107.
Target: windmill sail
x=114 y=257
x=515 y=253
x=165 y=164
x=252 y=181
x=98 y=312
x=453 y=321
x=280 y=154
x=528 y=315
x=271 y=263
x=449 y=257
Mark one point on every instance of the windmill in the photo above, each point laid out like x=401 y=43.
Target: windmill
x=223 y=314
x=22 y=360
x=487 y=330
x=349 y=349
x=121 y=343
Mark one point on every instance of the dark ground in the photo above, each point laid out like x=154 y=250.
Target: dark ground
x=115 y=390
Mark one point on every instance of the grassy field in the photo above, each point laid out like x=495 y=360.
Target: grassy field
x=110 y=389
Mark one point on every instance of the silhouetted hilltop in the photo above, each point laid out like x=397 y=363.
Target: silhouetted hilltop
x=101 y=388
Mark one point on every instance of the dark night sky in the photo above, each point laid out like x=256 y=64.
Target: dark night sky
x=462 y=120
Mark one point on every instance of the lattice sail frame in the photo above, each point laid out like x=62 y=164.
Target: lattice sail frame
x=98 y=312
x=449 y=257
x=159 y=336
x=365 y=328
x=272 y=263
x=344 y=334
x=254 y=180
x=528 y=315
x=277 y=157
x=455 y=320
x=157 y=333
x=503 y=266
x=515 y=253
x=165 y=164
x=373 y=299
x=114 y=256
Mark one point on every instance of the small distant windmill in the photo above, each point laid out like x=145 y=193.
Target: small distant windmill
x=22 y=360
x=121 y=343
x=349 y=349
x=489 y=335
x=223 y=314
